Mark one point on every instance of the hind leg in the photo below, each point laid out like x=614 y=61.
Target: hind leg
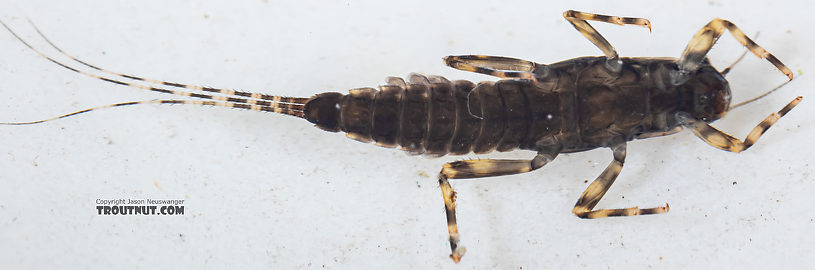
x=477 y=169
x=498 y=66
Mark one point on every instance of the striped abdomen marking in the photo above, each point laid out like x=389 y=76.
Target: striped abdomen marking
x=436 y=117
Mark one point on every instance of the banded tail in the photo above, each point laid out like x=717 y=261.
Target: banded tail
x=220 y=97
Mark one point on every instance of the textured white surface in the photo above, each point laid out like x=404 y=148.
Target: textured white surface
x=268 y=191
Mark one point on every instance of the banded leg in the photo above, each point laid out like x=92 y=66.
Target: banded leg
x=724 y=141
x=476 y=169
x=498 y=66
x=579 y=21
x=585 y=205
x=703 y=40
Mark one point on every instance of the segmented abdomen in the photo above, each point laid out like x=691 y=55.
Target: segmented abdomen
x=435 y=117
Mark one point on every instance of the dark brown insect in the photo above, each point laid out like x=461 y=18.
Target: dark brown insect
x=570 y=106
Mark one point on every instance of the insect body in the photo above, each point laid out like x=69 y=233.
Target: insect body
x=577 y=104
x=569 y=106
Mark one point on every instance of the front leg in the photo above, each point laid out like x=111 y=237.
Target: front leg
x=724 y=141
x=703 y=41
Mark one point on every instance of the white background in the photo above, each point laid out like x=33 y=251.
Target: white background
x=270 y=191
